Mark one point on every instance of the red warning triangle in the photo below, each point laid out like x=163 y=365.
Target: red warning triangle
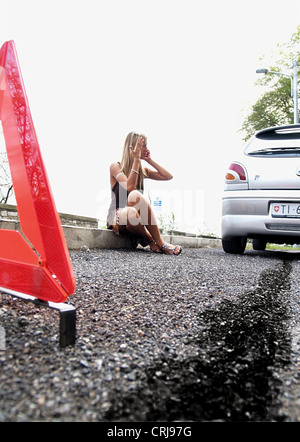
x=36 y=260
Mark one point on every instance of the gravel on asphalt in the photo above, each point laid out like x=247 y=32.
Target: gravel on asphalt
x=203 y=336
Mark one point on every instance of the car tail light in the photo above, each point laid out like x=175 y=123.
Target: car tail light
x=236 y=172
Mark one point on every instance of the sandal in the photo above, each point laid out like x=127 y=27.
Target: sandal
x=145 y=243
x=157 y=249
x=165 y=248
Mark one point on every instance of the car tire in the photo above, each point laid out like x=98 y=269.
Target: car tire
x=235 y=245
x=259 y=244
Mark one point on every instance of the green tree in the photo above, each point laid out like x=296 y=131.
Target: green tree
x=275 y=106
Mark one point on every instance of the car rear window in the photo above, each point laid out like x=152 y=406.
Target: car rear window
x=276 y=145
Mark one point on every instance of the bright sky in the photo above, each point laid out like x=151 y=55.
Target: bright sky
x=180 y=71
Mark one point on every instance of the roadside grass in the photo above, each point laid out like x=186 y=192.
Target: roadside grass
x=271 y=246
x=282 y=247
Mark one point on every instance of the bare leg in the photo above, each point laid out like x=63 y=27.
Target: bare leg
x=141 y=221
x=130 y=221
x=147 y=217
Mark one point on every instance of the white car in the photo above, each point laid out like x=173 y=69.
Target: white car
x=262 y=192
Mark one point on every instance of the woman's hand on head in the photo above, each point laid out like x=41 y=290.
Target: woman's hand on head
x=136 y=152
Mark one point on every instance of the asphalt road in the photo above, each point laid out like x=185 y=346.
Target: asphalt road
x=203 y=336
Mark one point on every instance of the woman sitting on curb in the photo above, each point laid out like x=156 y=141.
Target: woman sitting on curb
x=129 y=212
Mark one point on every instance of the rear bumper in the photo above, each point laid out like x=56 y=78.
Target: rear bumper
x=247 y=213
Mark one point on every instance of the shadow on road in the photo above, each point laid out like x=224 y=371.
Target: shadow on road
x=234 y=376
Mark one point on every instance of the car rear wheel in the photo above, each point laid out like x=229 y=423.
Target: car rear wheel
x=234 y=245
x=259 y=244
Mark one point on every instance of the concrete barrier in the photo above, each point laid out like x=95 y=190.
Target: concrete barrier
x=94 y=238
x=78 y=238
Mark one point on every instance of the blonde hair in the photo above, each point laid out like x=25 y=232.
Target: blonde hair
x=127 y=160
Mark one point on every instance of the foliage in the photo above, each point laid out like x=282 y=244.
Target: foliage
x=6 y=187
x=275 y=106
x=167 y=222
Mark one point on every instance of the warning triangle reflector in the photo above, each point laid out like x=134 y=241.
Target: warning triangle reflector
x=34 y=260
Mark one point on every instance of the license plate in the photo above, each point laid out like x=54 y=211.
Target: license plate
x=285 y=210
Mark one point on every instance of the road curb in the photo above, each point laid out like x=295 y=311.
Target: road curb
x=96 y=238
x=80 y=237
